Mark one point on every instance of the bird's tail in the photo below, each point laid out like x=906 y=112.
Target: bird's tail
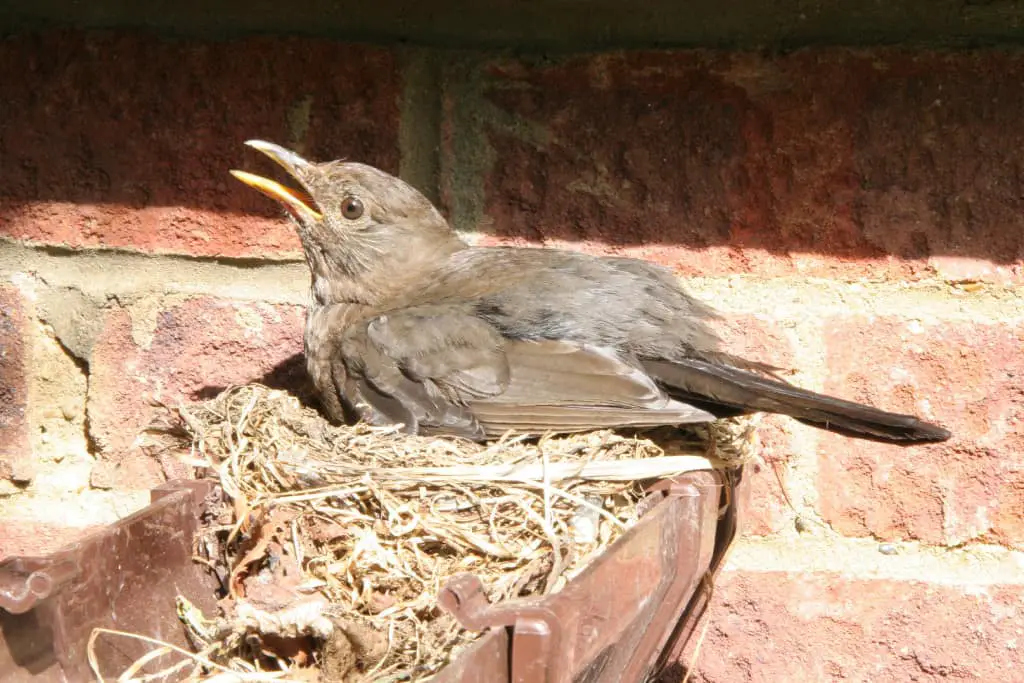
x=709 y=385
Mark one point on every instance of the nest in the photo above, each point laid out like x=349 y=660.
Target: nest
x=334 y=541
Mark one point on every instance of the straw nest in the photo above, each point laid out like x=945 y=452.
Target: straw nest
x=333 y=541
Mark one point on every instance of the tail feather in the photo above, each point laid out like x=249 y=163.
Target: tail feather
x=736 y=391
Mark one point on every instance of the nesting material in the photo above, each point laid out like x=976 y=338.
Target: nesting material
x=335 y=540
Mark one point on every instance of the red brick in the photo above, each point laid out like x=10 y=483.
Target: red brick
x=27 y=537
x=197 y=346
x=777 y=626
x=758 y=338
x=822 y=162
x=966 y=376
x=767 y=510
x=15 y=449
x=765 y=340
x=89 y=161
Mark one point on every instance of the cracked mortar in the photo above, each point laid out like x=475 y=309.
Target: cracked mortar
x=978 y=565
x=75 y=318
x=59 y=492
x=298 y=122
x=60 y=340
x=419 y=131
x=466 y=153
x=144 y=313
x=57 y=391
x=60 y=343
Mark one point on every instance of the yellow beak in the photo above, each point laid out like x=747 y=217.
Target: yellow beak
x=299 y=203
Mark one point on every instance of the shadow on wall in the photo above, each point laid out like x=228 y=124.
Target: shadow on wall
x=856 y=155
x=124 y=140
x=289 y=375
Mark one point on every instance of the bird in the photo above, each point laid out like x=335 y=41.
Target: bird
x=408 y=324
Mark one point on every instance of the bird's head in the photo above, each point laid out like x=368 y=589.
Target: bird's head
x=354 y=219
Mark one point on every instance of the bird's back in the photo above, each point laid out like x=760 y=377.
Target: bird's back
x=529 y=293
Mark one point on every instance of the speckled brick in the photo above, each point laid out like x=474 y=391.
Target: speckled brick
x=823 y=162
x=125 y=139
x=770 y=627
x=188 y=351
x=967 y=376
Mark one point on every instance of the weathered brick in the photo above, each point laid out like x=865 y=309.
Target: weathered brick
x=767 y=511
x=966 y=376
x=823 y=162
x=186 y=351
x=89 y=161
x=765 y=340
x=32 y=538
x=15 y=448
x=776 y=626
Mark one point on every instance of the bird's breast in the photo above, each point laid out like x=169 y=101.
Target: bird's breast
x=326 y=326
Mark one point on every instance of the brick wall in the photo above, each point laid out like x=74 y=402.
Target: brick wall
x=856 y=214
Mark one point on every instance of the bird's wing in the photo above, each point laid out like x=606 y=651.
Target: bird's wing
x=563 y=386
x=418 y=367
x=449 y=371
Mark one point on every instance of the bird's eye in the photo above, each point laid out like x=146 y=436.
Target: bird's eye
x=351 y=208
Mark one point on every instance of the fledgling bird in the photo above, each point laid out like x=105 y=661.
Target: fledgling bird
x=409 y=324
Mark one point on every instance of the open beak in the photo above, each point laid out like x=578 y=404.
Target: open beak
x=297 y=202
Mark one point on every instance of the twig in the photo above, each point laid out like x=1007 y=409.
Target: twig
x=200 y=659
x=538 y=473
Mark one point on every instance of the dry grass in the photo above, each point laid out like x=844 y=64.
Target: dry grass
x=361 y=526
